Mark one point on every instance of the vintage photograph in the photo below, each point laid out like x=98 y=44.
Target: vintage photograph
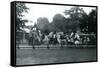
x=51 y=33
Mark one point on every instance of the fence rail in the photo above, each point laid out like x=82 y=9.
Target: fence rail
x=54 y=46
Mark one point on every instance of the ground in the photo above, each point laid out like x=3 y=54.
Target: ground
x=54 y=55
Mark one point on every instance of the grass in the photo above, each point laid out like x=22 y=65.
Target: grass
x=54 y=55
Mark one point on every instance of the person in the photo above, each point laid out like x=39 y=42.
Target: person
x=55 y=38
x=46 y=39
x=50 y=36
x=58 y=38
x=71 y=38
x=74 y=37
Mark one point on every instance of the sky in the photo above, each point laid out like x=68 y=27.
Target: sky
x=42 y=10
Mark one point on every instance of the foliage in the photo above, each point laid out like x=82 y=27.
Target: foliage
x=43 y=24
x=59 y=22
x=75 y=14
x=20 y=23
x=89 y=23
x=77 y=20
x=92 y=25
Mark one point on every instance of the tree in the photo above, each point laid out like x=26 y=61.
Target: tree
x=92 y=25
x=59 y=23
x=84 y=23
x=20 y=23
x=43 y=24
x=89 y=22
x=75 y=14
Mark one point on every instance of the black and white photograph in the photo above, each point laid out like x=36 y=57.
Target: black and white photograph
x=55 y=33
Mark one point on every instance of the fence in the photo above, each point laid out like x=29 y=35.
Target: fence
x=86 y=40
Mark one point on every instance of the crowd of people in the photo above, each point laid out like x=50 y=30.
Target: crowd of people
x=54 y=38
